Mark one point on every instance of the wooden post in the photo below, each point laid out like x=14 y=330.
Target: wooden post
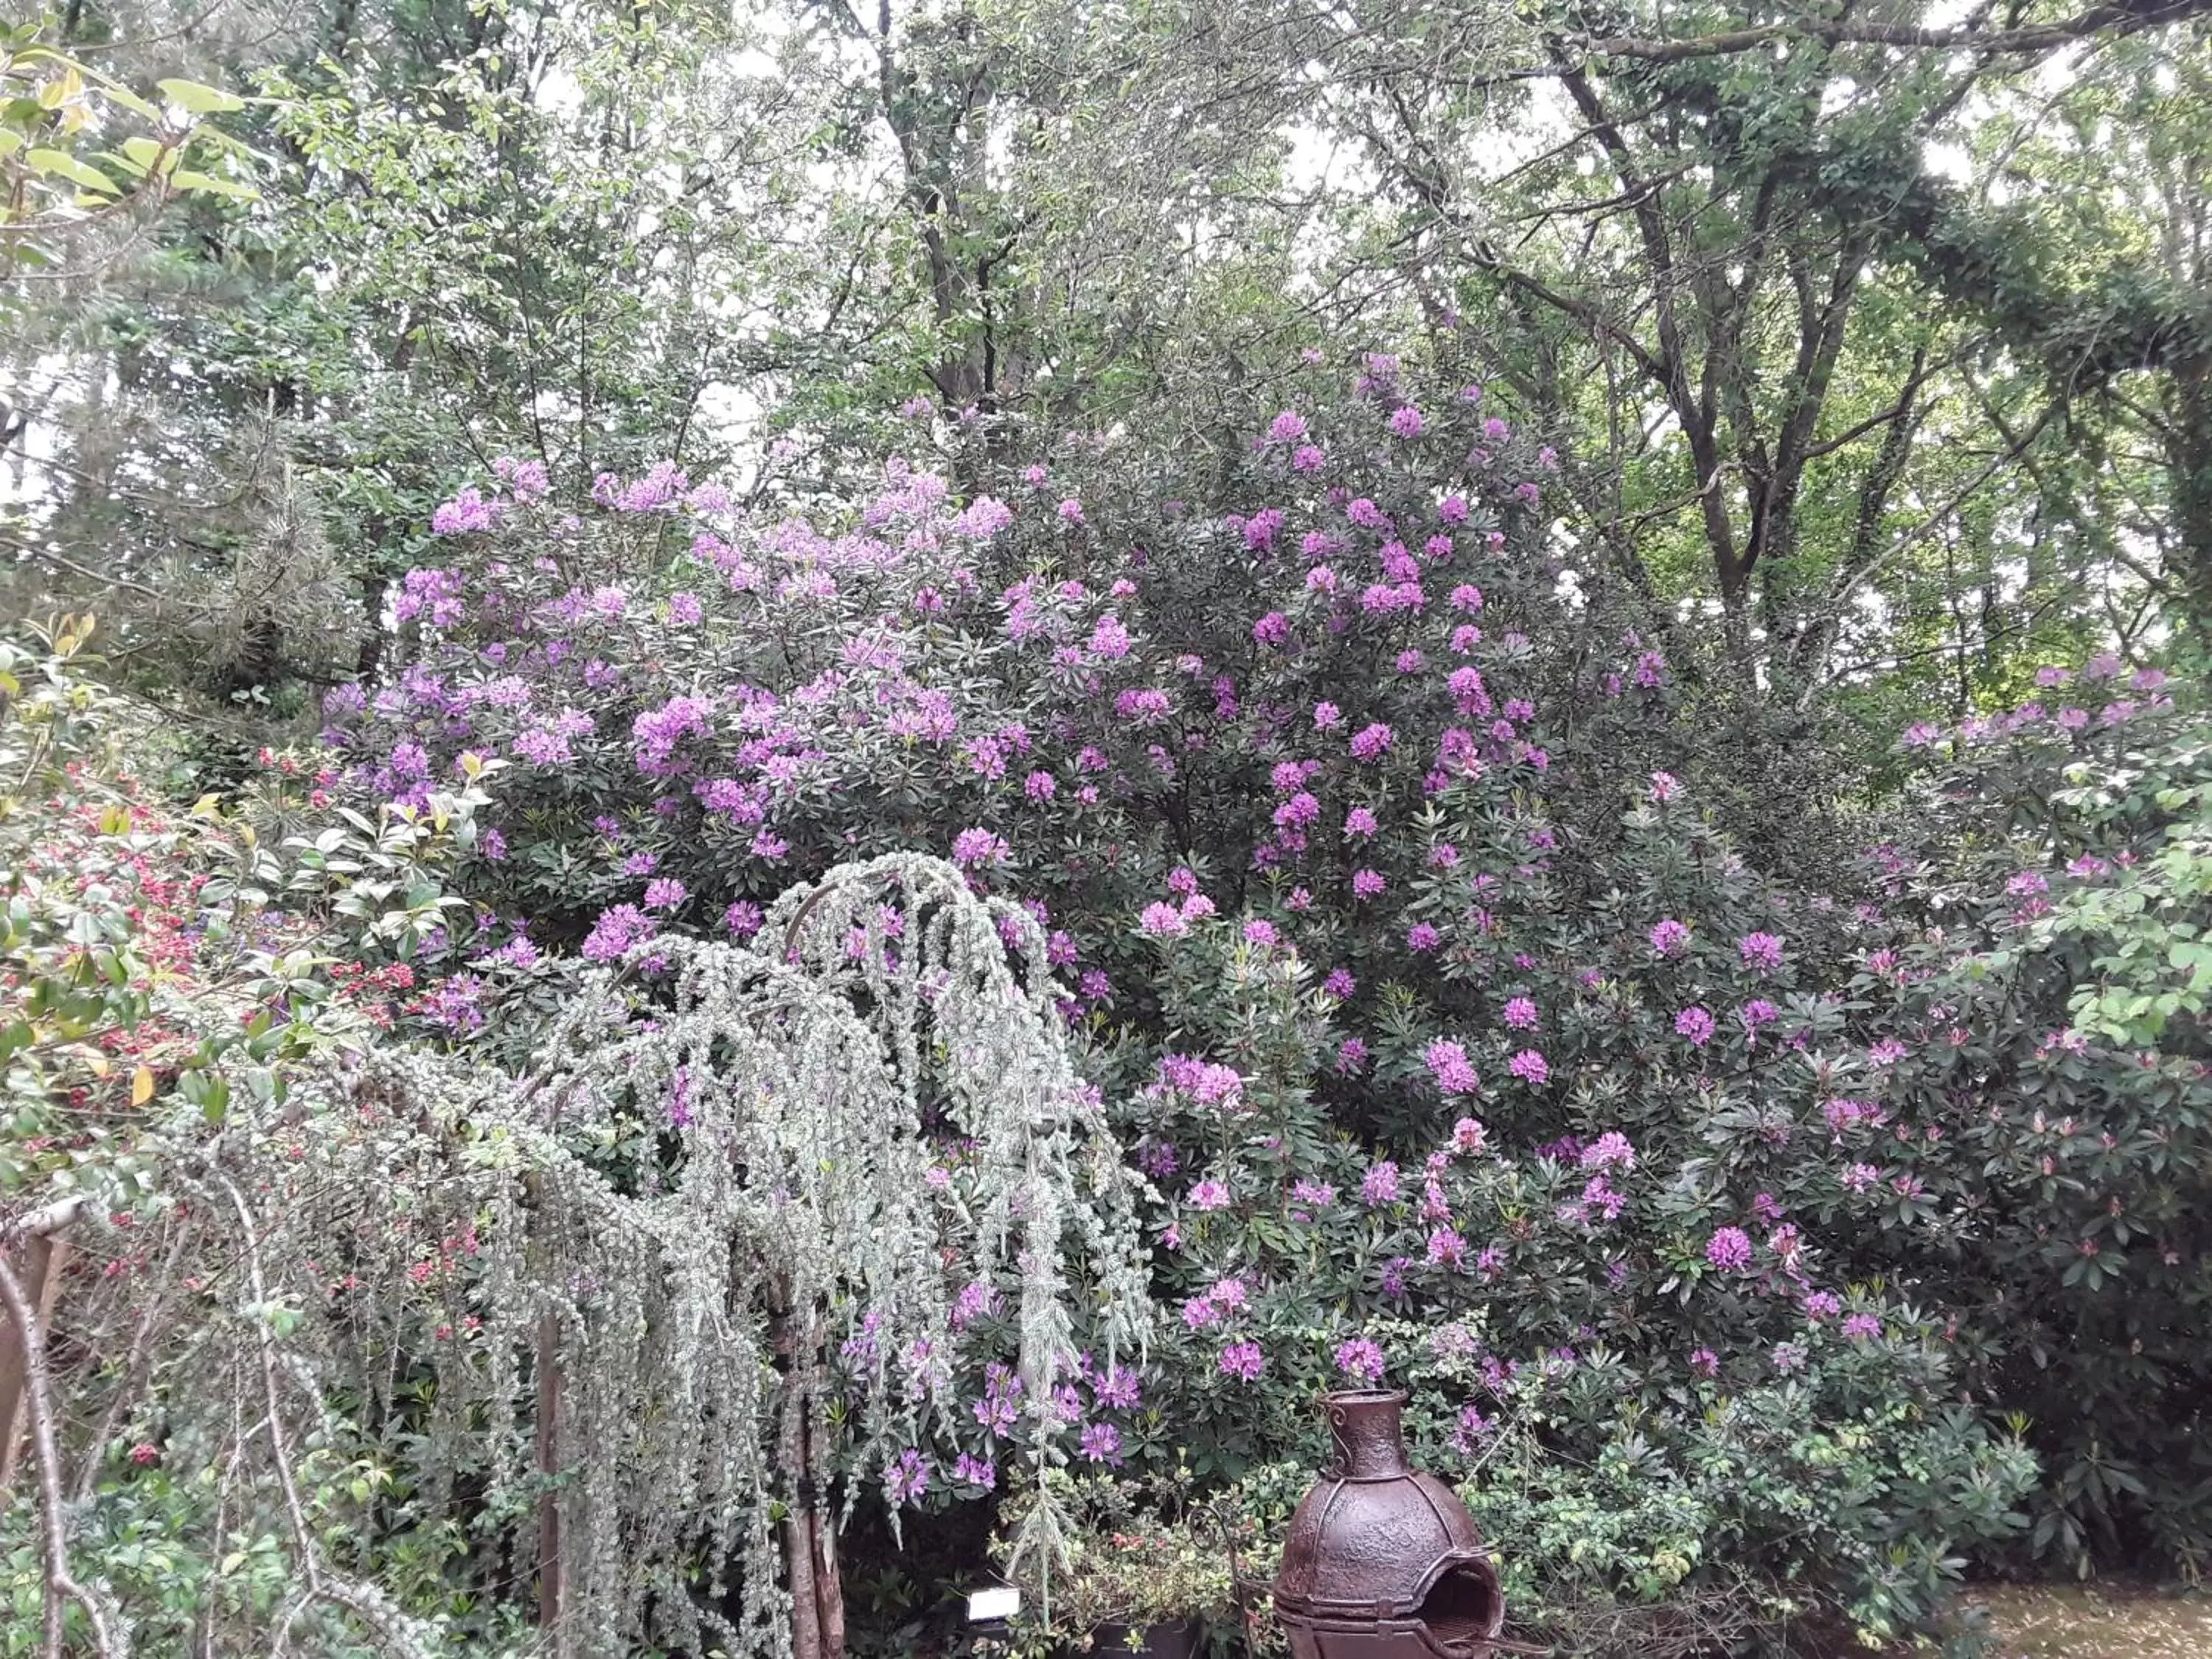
x=38 y=1242
x=549 y=1466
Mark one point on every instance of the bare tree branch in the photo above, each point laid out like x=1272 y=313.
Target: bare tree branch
x=2114 y=20
x=45 y=1456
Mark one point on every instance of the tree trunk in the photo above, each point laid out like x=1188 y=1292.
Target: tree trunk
x=549 y=1466
x=829 y=1586
x=369 y=659
x=2188 y=467
x=798 y=1528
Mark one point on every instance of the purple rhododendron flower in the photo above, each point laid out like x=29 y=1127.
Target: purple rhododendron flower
x=906 y=1477
x=1760 y=950
x=1729 y=1248
x=615 y=931
x=1360 y=1360
x=1371 y=742
x=973 y=849
x=979 y=1472
x=1610 y=1151
x=468 y=512
x=1379 y=1186
x=1244 y=1360
x=1161 y=920
x=1118 y=1390
x=1448 y=1064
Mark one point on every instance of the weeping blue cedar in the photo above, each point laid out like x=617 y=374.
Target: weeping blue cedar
x=697 y=1316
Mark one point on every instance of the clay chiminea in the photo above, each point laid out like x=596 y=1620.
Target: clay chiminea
x=1381 y=1562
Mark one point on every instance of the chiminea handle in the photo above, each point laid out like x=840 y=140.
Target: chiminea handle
x=1366 y=1430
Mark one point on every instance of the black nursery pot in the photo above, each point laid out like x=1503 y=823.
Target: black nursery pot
x=1178 y=1640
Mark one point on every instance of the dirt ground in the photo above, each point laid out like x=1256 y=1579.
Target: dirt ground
x=2106 y=1622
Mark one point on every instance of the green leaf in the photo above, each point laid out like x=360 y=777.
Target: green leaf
x=199 y=100
x=61 y=162
x=187 y=179
x=143 y=155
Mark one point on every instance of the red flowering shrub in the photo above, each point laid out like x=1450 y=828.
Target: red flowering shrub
x=130 y=967
x=166 y=976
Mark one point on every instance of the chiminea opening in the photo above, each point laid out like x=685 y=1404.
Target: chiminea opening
x=1461 y=1609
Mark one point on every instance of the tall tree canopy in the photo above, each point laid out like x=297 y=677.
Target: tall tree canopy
x=1881 y=339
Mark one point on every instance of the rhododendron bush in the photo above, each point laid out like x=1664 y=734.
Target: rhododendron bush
x=1759 y=1233
x=1376 y=849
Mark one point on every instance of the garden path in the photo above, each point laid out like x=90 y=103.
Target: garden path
x=2107 y=1621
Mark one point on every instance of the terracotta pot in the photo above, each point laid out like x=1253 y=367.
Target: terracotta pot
x=1176 y=1640
x=1380 y=1561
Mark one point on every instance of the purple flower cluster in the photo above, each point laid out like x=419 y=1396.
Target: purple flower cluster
x=1454 y=1072
x=1000 y=1405
x=1379 y=1186
x=1360 y=1360
x=906 y=1477
x=1530 y=1067
x=1371 y=742
x=1244 y=1360
x=1729 y=1248
x=1204 y=1082
x=1761 y=951
x=1695 y=1023
x=980 y=849
x=615 y=933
